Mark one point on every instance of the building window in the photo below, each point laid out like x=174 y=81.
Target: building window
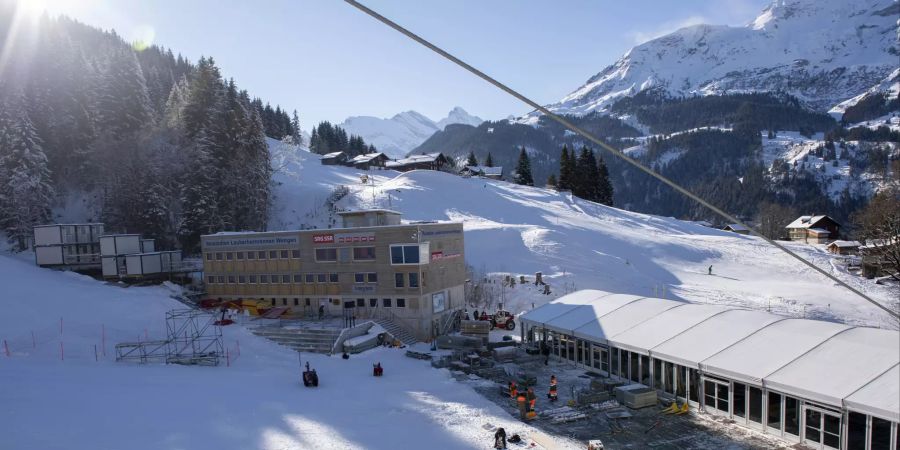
x=373 y=302
x=405 y=254
x=274 y=279
x=360 y=302
x=221 y=279
x=229 y=256
x=359 y=278
x=363 y=253
x=209 y=256
x=253 y=278
x=284 y=254
x=298 y=279
x=413 y=280
x=296 y=302
x=285 y=278
x=398 y=280
x=240 y=255
x=307 y=302
x=273 y=302
x=295 y=254
x=320 y=278
x=310 y=278
x=284 y=302
x=386 y=302
x=251 y=255
x=333 y=278
x=401 y=303
x=344 y=254
x=372 y=277
x=273 y=254
x=242 y=279
x=211 y=279
x=263 y=279
x=218 y=256
x=774 y=411
x=326 y=254
x=261 y=254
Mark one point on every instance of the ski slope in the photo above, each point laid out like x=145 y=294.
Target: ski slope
x=256 y=402
x=513 y=229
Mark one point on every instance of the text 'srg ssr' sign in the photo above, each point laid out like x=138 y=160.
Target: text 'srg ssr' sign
x=323 y=239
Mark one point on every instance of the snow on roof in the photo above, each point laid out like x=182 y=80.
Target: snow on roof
x=412 y=159
x=366 y=158
x=845 y=244
x=880 y=397
x=664 y=326
x=839 y=366
x=817 y=231
x=588 y=312
x=692 y=346
x=805 y=221
x=772 y=347
x=624 y=318
x=364 y=211
x=332 y=155
x=496 y=170
x=736 y=227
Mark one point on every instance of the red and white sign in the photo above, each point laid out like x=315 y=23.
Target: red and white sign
x=436 y=255
x=355 y=238
x=323 y=238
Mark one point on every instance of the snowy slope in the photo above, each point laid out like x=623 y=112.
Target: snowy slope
x=578 y=244
x=822 y=51
x=257 y=402
x=405 y=131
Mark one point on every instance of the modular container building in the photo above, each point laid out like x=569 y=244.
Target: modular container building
x=72 y=246
x=120 y=244
x=153 y=264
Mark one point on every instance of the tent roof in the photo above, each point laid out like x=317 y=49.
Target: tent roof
x=706 y=338
x=664 y=326
x=624 y=318
x=770 y=348
x=582 y=314
x=880 y=397
x=852 y=357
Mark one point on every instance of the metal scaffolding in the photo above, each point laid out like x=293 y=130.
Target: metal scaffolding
x=192 y=338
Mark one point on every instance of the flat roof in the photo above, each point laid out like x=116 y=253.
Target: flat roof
x=664 y=326
x=623 y=318
x=222 y=234
x=363 y=211
x=67 y=224
x=875 y=397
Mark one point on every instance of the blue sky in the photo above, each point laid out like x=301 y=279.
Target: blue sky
x=330 y=61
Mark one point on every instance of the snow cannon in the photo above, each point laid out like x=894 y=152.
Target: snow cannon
x=310 y=377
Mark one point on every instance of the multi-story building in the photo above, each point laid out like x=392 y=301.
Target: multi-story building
x=374 y=266
x=68 y=246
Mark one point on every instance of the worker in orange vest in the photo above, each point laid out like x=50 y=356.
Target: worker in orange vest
x=512 y=389
x=531 y=399
x=552 y=395
x=523 y=408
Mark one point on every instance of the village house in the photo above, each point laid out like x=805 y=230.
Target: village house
x=494 y=173
x=736 y=228
x=427 y=161
x=368 y=161
x=334 y=159
x=814 y=229
x=843 y=247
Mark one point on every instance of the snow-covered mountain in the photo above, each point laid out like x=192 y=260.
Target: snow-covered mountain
x=405 y=131
x=821 y=51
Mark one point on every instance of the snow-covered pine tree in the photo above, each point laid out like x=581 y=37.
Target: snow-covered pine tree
x=471 y=160
x=523 y=170
x=489 y=161
x=123 y=102
x=295 y=124
x=200 y=208
x=605 y=189
x=566 y=169
x=26 y=191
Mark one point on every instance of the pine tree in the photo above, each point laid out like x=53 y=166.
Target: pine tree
x=605 y=189
x=523 y=170
x=295 y=125
x=585 y=185
x=471 y=160
x=551 y=181
x=25 y=187
x=566 y=169
x=123 y=103
x=489 y=162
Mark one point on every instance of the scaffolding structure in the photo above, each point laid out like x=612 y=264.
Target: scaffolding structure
x=192 y=339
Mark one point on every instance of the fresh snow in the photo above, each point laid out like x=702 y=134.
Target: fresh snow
x=400 y=134
x=512 y=229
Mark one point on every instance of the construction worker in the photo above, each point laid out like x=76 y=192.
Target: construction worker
x=530 y=398
x=552 y=395
x=523 y=408
x=512 y=389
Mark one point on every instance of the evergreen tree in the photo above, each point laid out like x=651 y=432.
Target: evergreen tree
x=523 y=170
x=471 y=160
x=604 y=185
x=295 y=125
x=123 y=103
x=25 y=187
x=489 y=162
x=586 y=174
x=566 y=169
x=551 y=181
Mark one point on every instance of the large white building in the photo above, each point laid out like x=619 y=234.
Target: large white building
x=825 y=384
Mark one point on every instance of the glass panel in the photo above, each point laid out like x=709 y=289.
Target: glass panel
x=657 y=374
x=754 y=411
x=413 y=280
x=709 y=391
x=411 y=254
x=595 y=358
x=604 y=360
x=579 y=346
x=364 y=253
x=635 y=372
x=397 y=255
x=680 y=380
x=667 y=377
x=695 y=384
x=722 y=394
x=881 y=434
x=832 y=431
x=615 y=361
x=645 y=370
x=813 y=422
x=792 y=416
x=774 y=411
x=740 y=398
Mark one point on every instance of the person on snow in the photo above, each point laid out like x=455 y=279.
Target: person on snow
x=474 y=314
x=512 y=389
x=321 y=312
x=377 y=370
x=545 y=350
x=552 y=394
x=709 y=272
x=500 y=438
x=484 y=316
x=530 y=398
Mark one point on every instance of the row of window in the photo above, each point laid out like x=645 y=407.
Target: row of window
x=400 y=279
x=308 y=278
x=360 y=302
x=253 y=254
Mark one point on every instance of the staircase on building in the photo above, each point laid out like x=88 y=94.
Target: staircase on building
x=396 y=331
x=312 y=340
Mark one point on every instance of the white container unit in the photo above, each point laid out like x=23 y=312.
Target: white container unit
x=113 y=266
x=171 y=261
x=120 y=244
x=148 y=246
x=142 y=264
x=48 y=256
x=59 y=234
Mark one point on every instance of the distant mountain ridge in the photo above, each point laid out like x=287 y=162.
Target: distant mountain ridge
x=821 y=51
x=400 y=134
